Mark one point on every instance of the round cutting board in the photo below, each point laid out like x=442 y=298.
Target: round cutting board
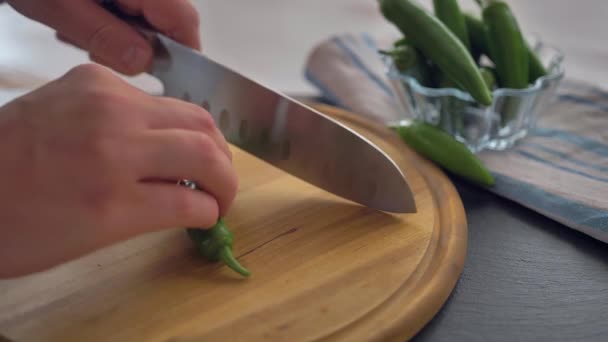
x=323 y=268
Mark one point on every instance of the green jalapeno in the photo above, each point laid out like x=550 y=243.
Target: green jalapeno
x=404 y=57
x=448 y=11
x=446 y=82
x=446 y=151
x=215 y=244
x=408 y=60
x=477 y=36
x=488 y=77
x=506 y=43
x=401 y=42
x=439 y=44
x=537 y=69
x=480 y=47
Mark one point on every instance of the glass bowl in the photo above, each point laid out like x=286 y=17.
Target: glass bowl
x=499 y=126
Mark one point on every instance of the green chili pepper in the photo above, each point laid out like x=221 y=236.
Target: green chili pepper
x=410 y=61
x=537 y=69
x=446 y=151
x=420 y=69
x=439 y=44
x=434 y=74
x=215 y=244
x=479 y=47
x=446 y=82
x=488 y=76
x=486 y=73
x=508 y=49
x=448 y=11
x=403 y=56
x=401 y=42
x=477 y=36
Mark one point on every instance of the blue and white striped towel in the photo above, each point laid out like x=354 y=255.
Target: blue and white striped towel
x=560 y=170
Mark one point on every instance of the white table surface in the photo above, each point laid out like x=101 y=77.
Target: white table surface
x=269 y=40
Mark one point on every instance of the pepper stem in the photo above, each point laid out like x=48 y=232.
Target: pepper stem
x=227 y=257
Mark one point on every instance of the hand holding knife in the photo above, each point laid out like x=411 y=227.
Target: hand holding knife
x=296 y=138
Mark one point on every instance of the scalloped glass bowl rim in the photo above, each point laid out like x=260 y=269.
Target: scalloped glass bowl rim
x=556 y=74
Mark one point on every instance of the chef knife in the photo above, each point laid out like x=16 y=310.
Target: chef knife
x=278 y=129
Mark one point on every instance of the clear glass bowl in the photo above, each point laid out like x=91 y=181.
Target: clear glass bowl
x=496 y=127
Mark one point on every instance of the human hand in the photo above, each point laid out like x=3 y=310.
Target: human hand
x=88 y=160
x=110 y=41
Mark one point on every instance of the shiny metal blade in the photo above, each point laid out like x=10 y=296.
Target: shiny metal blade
x=282 y=131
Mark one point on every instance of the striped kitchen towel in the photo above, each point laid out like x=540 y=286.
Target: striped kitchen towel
x=560 y=170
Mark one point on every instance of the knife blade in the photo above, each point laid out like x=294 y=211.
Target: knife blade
x=280 y=130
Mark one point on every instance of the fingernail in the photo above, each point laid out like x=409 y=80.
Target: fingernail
x=135 y=58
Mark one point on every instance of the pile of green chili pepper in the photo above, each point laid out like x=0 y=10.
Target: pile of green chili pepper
x=453 y=49
x=450 y=44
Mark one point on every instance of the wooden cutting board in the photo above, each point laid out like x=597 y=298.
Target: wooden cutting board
x=323 y=268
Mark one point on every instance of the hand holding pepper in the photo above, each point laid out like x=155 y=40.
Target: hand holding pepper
x=89 y=160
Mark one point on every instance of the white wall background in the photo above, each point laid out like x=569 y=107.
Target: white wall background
x=270 y=39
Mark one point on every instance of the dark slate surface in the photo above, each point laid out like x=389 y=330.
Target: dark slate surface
x=526 y=278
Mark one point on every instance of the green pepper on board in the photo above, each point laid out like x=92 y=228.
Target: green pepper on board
x=448 y=11
x=446 y=151
x=439 y=44
x=215 y=244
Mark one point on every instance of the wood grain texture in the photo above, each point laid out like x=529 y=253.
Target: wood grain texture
x=323 y=268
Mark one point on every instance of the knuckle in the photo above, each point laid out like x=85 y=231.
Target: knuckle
x=87 y=72
x=93 y=88
x=101 y=38
x=203 y=121
x=102 y=100
x=101 y=112
x=106 y=107
x=206 y=149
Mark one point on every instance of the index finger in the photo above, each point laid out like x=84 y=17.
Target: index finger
x=177 y=19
